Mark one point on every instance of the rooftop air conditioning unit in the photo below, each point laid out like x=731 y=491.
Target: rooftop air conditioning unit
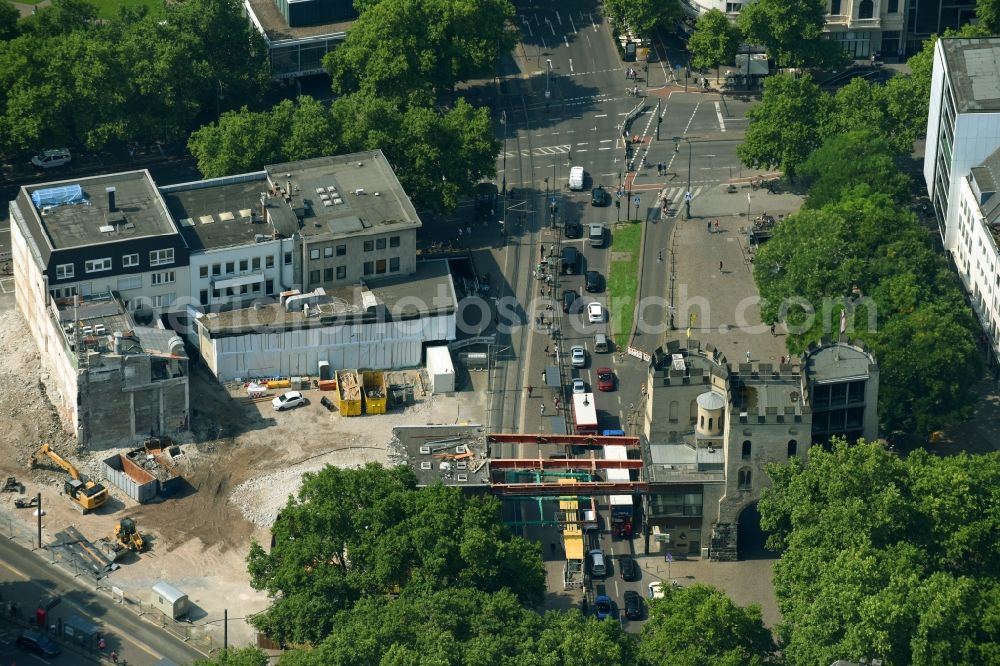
x=425 y=450
x=359 y=191
x=461 y=448
x=462 y=477
x=425 y=465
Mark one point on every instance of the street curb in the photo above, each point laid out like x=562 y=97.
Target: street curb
x=638 y=285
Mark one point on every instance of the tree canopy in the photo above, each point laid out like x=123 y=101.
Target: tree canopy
x=249 y=656
x=367 y=533
x=644 y=16
x=886 y=557
x=9 y=16
x=850 y=159
x=412 y=50
x=140 y=77
x=714 y=42
x=785 y=127
x=438 y=157
x=699 y=624
x=791 y=30
x=464 y=626
x=864 y=253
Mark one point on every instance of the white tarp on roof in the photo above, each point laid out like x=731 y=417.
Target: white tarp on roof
x=58 y=196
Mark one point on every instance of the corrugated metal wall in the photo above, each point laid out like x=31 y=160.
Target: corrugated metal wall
x=382 y=346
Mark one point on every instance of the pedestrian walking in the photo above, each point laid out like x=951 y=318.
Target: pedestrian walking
x=710 y=230
x=748 y=356
x=530 y=389
x=546 y=349
x=541 y=409
x=720 y=266
x=101 y=644
x=782 y=361
x=114 y=656
x=716 y=226
x=541 y=252
x=772 y=329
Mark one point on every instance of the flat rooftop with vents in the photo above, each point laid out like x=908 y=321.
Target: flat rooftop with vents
x=345 y=195
x=79 y=212
x=219 y=213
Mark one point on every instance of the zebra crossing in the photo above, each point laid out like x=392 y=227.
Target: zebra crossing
x=676 y=194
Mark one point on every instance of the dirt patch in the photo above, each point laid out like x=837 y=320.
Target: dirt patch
x=240 y=462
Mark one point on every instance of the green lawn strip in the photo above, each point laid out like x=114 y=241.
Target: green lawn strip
x=623 y=279
x=107 y=9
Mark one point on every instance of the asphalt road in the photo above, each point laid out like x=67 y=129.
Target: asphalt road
x=26 y=577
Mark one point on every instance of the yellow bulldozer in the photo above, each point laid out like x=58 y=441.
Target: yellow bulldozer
x=85 y=495
x=127 y=536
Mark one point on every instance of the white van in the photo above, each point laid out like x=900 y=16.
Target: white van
x=598 y=568
x=576 y=178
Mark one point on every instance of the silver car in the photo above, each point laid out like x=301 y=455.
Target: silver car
x=578 y=356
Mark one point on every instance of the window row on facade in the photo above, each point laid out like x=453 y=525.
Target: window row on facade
x=340 y=250
x=156 y=258
x=239 y=266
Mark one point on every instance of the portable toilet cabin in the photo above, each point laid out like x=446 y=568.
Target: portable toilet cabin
x=172 y=602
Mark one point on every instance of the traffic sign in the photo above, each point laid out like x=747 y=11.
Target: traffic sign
x=552 y=201
x=687 y=196
x=635 y=202
x=670 y=557
x=619 y=193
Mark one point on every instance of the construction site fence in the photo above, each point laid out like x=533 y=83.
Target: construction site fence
x=197 y=635
x=19 y=533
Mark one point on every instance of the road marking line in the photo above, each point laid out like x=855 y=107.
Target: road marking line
x=581 y=150
x=583 y=143
x=570 y=61
x=566 y=39
x=572 y=24
x=601 y=115
x=559 y=18
x=16 y=572
x=605 y=148
x=528 y=26
x=609 y=174
x=551 y=27
x=718 y=114
x=606 y=140
x=623 y=114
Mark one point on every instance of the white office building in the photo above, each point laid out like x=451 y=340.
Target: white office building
x=963 y=123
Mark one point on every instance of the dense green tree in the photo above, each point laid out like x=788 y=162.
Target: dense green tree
x=363 y=534
x=437 y=157
x=791 y=31
x=847 y=160
x=643 y=17
x=249 y=656
x=61 y=17
x=988 y=13
x=866 y=254
x=411 y=50
x=929 y=363
x=786 y=126
x=714 y=42
x=242 y=141
x=9 y=16
x=463 y=627
x=886 y=557
x=699 y=624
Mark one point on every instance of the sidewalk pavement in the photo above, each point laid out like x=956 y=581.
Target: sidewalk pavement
x=715 y=295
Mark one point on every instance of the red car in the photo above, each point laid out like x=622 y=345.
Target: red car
x=605 y=379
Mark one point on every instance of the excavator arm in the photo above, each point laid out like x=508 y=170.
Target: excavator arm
x=46 y=450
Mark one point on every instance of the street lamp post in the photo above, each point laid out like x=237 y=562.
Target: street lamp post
x=548 y=75
x=687 y=193
x=503 y=189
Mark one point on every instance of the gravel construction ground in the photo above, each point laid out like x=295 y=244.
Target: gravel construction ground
x=241 y=462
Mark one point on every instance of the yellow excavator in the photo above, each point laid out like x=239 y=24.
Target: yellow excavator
x=127 y=536
x=85 y=495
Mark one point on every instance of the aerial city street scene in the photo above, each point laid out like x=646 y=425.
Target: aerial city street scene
x=475 y=332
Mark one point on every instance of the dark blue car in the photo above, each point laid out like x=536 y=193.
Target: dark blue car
x=39 y=643
x=603 y=607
